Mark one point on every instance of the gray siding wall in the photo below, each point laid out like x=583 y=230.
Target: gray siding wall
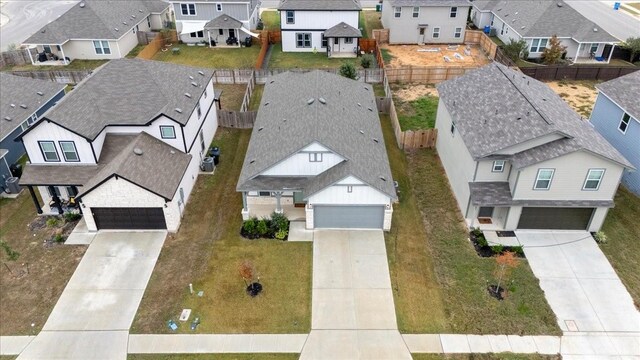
x=406 y=28
x=606 y=118
x=207 y=11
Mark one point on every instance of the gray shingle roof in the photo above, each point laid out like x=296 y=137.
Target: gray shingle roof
x=342 y=30
x=22 y=92
x=96 y=19
x=429 y=3
x=625 y=91
x=499 y=194
x=495 y=107
x=347 y=123
x=319 y=5
x=130 y=92
x=544 y=18
x=223 y=22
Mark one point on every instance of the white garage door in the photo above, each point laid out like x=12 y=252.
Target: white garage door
x=348 y=216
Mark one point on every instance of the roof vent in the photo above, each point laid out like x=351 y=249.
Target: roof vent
x=322 y=100
x=172 y=152
x=382 y=178
x=178 y=110
x=225 y=19
x=124 y=23
x=116 y=29
x=267 y=103
x=13 y=105
x=140 y=10
x=187 y=95
x=261 y=127
x=137 y=151
x=522 y=27
x=252 y=161
x=200 y=72
x=361 y=132
x=7 y=118
x=40 y=93
x=595 y=29
x=82 y=4
x=559 y=4
x=519 y=118
x=370 y=109
x=344 y=26
x=271 y=82
x=43 y=31
x=376 y=140
x=23 y=106
x=133 y=16
x=194 y=83
x=310 y=101
x=359 y=104
x=190 y=77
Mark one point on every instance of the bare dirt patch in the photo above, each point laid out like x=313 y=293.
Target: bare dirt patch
x=408 y=55
x=580 y=95
x=413 y=92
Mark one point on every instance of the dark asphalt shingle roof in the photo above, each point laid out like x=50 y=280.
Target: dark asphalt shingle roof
x=625 y=91
x=348 y=124
x=429 y=3
x=96 y=19
x=342 y=30
x=499 y=194
x=223 y=22
x=22 y=92
x=319 y=5
x=495 y=108
x=544 y=18
x=130 y=92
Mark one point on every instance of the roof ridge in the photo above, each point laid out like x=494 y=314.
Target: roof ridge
x=542 y=114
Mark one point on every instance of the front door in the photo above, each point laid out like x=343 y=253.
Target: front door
x=485 y=212
x=421 y=31
x=298 y=199
x=232 y=33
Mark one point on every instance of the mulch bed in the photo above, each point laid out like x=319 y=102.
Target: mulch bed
x=500 y=294
x=484 y=250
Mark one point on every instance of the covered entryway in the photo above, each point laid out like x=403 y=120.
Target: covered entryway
x=348 y=216
x=545 y=218
x=129 y=218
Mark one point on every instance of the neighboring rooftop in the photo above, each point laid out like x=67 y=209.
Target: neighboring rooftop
x=298 y=109
x=130 y=92
x=446 y=3
x=342 y=30
x=625 y=91
x=319 y=5
x=545 y=18
x=20 y=97
x=97 y=19
x=223 y=21
x=494 y=108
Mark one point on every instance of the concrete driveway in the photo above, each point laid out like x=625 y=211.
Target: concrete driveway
x=579 y=283
x=91 y=320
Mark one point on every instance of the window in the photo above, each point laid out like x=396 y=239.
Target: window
x=47 y=48
x=264 y=193
x=594 y=177
x=315 y=157
x=624 y=123
x=421 y=31
x=69 y=151
x=458 y=33
x=498 y=166
x=198 y=110
x=49 y=152
x=324 y=40
x=101 y=47
x=336 y=41
x=72 y=191
x=55 y=192
x=204 y=94
x=537 y=45
x=349 y=189
x=543 y=180
x=197 y=34
x=397 y=11
x=220 y=31
x=348 y=40
x=453 y=12
x=436 y=32
x=167 y=132
x=149 y=21
x=594 y=49
x=453 y=128
x=290 y=17
x=416 y=11
x=188 y=9
x=202 y=144
x=218 y=7
x=303 y=40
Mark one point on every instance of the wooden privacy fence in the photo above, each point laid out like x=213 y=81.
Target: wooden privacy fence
x=247 y=94
x=275 y=37
x=260 y=76
x=237 y=119
x=577 y=72
x=61 y=76
x=158 y=42
x=430 y=75
x=367 y=45
x=473 y=36
x=488 y=46
x=381 y=35
x=17 y=57
x=264 y=47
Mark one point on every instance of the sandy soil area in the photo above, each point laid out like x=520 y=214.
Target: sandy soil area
x=414 y=92
x=580 y=95
x=408 y=55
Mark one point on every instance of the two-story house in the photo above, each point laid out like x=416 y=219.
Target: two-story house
x=324 y=26
x=537 y=21
x=518 y=157
x=216 y=22
x=125 y=147
x=96 y=30
x=22 y=101
x=425 y=21
x=317 y=153
x=616 y=116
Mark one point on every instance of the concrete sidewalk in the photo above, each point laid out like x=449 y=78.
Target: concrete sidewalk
x=216 y=343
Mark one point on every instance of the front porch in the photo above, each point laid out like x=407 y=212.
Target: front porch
x=47 y=54
x=262 y=204
x=225 y=31
x=489 y=205
x=342 y=41
x=592 y=53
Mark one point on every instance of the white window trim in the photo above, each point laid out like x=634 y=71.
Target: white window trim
x=55 y=150
x=195 y=12
x=498 y=164
x=173 y=129
x=293 y=17
x=535 y=184
x=584 y=186
x=538 y=47
x=219 y=7
x=623 y=122
x=397 y=12
x=64 y=153
x=415 y=13
x=101 y=43
x=434 y=32
x=303 y=40
x=457 y=34
x=315 y=157
x=452 y=12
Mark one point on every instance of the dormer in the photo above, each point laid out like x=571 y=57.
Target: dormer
x=311 y=160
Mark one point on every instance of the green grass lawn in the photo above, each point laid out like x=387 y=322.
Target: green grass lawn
x=232 y=95
x=500 y=356
x=386 y=56
x=135 y=51
x=207 y=251
x=219 y=58
x=623 y=231
x=254 y=104
x=271 y=20
x=304 y=60
x=438 y=279
x=369 y=20
x=73 y=65
x=417 y=114
x=212 y=357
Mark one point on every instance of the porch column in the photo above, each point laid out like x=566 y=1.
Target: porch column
x=64 y=58
x=35 y=199
x=577 y=52
x=278 y=206
x=56 y=200
x=238 y=37
x=474 y=214
x=244 y=201
x=31 y=56
x=209 y=37
x=613 y=46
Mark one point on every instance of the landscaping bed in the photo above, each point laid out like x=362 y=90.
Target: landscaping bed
x=275 y=227
x=483 y=248
x=218 y=58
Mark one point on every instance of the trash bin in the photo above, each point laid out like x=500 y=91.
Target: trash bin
x=487 y=29
x=11 y=185
x=616 y=5
x=16 y=170
x=207 y=164
x=215 y=153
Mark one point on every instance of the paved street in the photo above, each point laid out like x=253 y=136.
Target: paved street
x=617 y=23
x=22 y=18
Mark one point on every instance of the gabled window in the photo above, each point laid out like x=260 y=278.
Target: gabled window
x=593 y=180
x=453 y=12
x=49 y=152
x=218 y=7
x=291 y=17
x=101 y=47
x=397 y=11
x=457 y=33
x=167 y=132
x=624 y=123
x=537 y=45
x=498 y=166
x=416 y=11
x=69 y=151
x=315 y=157
x=303 y=40
x=543 y=179
x=436 y=32
x=188 y=9
x=349 y=189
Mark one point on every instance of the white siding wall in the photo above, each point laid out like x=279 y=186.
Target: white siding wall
x=513 y=218
x=455 y=158
x=406 y=28
x=83 y=49
x=153 y=129
x=480 y=19
x=508 y=34
x=568 y=179
x=597 y=219
x=47 y=131
x=299 y=165
x=289 y=41
x=192 y=129
x=320 y=20
x=529 y=144
x=361 y=195
x=342 y=46
x=130 y=40
x=485 y=173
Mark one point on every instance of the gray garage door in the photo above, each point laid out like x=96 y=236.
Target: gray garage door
x=129 y=218
x=555 y=218
x=361 y=217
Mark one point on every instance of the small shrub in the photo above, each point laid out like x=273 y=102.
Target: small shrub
x=71 y=216
x=262 y=228
x=601 y=237
x=497 y=249
x=518 y=250
x=250 y=226
x=366 y=61
x=52 y=222
x=11 y=254
x=476 y=231
x=482 y=241
x=281 y=234
x=348 y=70
x=279 y=222
x=58 y=238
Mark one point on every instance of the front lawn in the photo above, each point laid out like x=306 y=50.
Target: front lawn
x=623 y=232
x=439 y=282
x=219 y=58
x=305 y=60
x=417 y=114
x=207 y=251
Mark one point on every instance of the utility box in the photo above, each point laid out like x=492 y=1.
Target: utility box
x=207 y=164
x=11 y=185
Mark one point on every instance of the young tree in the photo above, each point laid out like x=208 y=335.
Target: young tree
x=505 y=263
x=553 y=52
x=348 y=70
x=247 y=271
x=633 y=45
x=515 y=50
